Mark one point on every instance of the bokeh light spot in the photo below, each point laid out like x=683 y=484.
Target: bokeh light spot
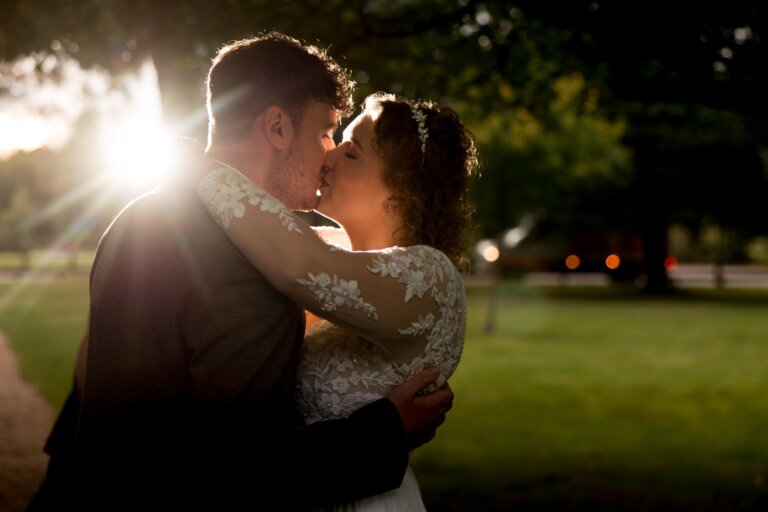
x=491 y=253
x=670 y=263
x=572 y=262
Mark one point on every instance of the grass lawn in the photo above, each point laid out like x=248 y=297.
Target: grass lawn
x=606 y=400
x=581 y=400
x=46 y=259
x=44 y=323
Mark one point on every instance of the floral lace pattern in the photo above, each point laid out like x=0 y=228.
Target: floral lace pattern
x=223 y=191
x=340 y=372
x=425 y=269
x=333 y=292
x=424 y=324
x=410 y=268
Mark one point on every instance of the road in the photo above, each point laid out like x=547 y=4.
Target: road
x=683 y=276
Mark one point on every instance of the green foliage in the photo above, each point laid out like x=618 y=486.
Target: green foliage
x=703 y=163
x=28 y=182
x=57 y=198
x=19 y=208
x=552 y=160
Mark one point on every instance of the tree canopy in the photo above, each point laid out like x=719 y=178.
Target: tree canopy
x=652 y=110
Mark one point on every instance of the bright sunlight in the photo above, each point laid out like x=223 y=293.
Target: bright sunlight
x=137 y=150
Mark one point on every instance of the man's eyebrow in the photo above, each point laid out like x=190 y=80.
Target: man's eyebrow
x=332 y=126
x=357 y=143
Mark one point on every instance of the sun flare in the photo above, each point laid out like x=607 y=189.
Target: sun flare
x=137 y=149
x=137 y=153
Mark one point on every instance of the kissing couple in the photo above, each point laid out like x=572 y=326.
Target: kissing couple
x=237 y=358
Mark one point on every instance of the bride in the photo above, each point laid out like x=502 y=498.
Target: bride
x=387 y=282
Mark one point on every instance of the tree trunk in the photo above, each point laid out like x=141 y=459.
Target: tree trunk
x=652 y=210
x=72 y=252
x=182 y=93
x=655 y=252
x=25 y=257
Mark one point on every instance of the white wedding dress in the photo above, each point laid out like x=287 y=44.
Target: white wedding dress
x=338 y=374
x=394 y=311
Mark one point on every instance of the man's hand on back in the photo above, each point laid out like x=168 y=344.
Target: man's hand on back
x=421 y=413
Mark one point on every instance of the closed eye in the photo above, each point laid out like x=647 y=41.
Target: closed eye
x=350 y=156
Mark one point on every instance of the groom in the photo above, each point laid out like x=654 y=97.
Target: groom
x=184 y=394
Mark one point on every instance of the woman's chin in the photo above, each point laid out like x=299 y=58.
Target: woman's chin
x=322 y=209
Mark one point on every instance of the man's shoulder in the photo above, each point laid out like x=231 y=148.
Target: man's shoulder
x=162 y=214
x=153 y=227
x=171 y=231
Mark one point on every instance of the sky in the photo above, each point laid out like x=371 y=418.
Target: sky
x=42 y=95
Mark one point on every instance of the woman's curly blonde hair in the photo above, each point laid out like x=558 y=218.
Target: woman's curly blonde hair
x=430 y=188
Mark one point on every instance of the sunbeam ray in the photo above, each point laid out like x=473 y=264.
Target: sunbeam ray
x=63 y=202
x=78 y=229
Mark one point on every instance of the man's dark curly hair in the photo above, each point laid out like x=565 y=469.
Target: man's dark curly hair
x=431 y=187
x=249 y=75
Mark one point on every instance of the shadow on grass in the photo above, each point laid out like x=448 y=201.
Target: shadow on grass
x=560 y=492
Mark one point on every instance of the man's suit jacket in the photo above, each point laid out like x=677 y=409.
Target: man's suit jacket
x=188 y=393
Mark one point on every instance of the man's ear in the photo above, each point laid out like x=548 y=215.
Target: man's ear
x=278 y=127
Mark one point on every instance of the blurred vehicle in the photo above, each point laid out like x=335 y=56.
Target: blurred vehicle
x=538 y=245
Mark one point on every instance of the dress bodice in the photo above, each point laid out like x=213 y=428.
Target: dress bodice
x=340 y=371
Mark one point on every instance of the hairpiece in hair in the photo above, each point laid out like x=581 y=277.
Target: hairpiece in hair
x=421 y=119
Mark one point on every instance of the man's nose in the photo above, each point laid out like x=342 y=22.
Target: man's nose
x=332 y=156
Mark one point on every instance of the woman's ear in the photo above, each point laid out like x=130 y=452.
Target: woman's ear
x=278 y=127
x=391 y=204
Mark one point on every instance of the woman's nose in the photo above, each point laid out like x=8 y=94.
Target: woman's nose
x=333 y=155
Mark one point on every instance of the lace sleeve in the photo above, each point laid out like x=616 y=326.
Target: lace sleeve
x=399 y=298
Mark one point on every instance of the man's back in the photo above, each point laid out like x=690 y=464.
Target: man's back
x=191 y=356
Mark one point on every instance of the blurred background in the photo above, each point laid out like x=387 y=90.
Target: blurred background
x=617 y=348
